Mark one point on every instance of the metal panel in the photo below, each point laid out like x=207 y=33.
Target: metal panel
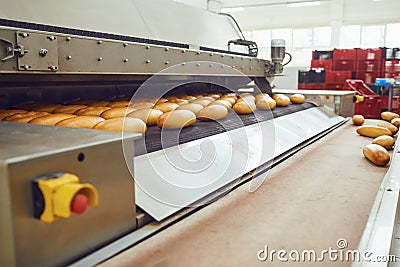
x=28 y=151
x=234 y=153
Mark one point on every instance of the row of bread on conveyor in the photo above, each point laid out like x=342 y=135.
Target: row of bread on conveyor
x=135 y=115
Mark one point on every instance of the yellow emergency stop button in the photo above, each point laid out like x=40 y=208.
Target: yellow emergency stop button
x=61 y=194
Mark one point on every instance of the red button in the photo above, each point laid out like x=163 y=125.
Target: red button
x=79 y=204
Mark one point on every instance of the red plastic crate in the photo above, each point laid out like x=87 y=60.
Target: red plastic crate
x=369 y=66
x=368 y=77
x=334 y=86
x=324 y=64
x=315 y=86
x=395 y=103
x=370 y=54
x=343 y=65
x=344 y=54
x=395 y=75
x=370 y=108
x=302 y=86
x=391 y=65
x=337 y=77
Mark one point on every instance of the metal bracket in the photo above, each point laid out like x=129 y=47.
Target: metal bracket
x=10 y=50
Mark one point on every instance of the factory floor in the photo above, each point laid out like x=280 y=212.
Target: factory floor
x=321 y=194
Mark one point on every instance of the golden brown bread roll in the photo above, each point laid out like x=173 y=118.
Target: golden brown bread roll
x=203 y=102
x=384 y=140
x=265 y=103
x=140 y=105
x=222 y=102
x=80 y=122
x=215 y=96
x=25 y=117
x=131 y=125
x=147 y=115
x=91 y=111
x=261 y=95
x=118 y=104
x=99 y=103
x=231 y=100
x=389 y=126
x=161 y=100
x=215 y=112
x=166 y=107
x=297 y=98
x=51 y=119
x=358 y=120
x=171 y=97
x=389 y=116
x=176 y=119
x=9 y=112
x=70 y=109
x=376 y=154
x=47 y=107
x=281 y=100
x=195 y=108
x=395 y=122
x=373 y=131
x=189 y=97
x=116 y=112
x=209 y=98
x=244 y=107
x=180 y=101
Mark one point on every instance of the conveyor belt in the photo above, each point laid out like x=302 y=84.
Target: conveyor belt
x=152 y=140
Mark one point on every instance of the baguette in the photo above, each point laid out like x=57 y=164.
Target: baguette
x=91 y=111
x=214 y=112
x=373 y=131
x=47 y=107
x=131 y=125
x=376 y=154
x=140 y=105
x=176 y=119
x=147 y=115
x=51 y=119
x=99 y=104
x=80 y=122
x=116 y=112
x=118 y=104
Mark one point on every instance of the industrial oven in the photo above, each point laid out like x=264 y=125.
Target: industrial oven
x=134 y=185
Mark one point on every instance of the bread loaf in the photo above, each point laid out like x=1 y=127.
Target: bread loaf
x=25 y=117
x=116 y=112
x=244 y=107
x=166 y=107
x=214 y=112
x=281 y=100
x=180 y=101
x=141 y=105
x=222 y=102
x=91 y=111
x=70 y=109
x=203 y=102
x=297 y=98
x=376 y=154
x=131 y=125
x=47 y=107
x=176 y=119
x=9 y=112
x=147 y=115
x=389 y=116
x=373 y=131
x=358 y=120
x=100 y=103
x=384 y=140
x=389 y=126
x=231 y=100
x=265 y=103
x=80 y=122
x=395 y=122
x=118 y=104
x=51 y=119
x=195 y=108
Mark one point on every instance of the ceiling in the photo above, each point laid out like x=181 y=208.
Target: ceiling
x=269 y=14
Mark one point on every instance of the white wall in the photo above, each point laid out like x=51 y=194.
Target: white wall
x=289 y=80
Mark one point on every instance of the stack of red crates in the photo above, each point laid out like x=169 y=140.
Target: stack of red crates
x=369 y=64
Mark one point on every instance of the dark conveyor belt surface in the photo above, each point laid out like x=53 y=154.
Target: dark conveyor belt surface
x=152 y=140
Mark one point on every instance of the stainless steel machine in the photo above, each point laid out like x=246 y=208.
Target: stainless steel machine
x=135 y=186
